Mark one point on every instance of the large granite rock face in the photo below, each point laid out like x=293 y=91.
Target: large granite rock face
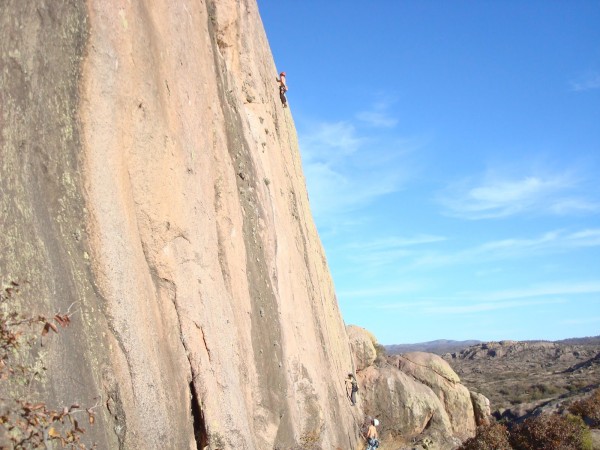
x=150 y=177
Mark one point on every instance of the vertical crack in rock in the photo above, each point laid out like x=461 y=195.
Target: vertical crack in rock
x=429 y=422
x=199 y=423
x=203 y=340
x=200 y=433
x=265 y=320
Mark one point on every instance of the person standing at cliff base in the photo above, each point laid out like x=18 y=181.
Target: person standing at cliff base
x=372 y=435
x=352 y=385
x=282 y=89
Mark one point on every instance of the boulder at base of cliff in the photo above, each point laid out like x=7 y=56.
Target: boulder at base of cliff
x=436 y=373
x=417 y=397
x=481 y=408
x=405 y=407
x=362 y=344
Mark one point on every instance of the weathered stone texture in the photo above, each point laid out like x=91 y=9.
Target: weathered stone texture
x=416 y=396
x=362 y=343
x=150 y=176
x=436 y=373
x=481 y=409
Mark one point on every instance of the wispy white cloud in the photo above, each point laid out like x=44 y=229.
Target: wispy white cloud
x=334 y=186
x=539 y=295
x=335 y=190
x=403 y=306
x=387 y=251
x=378 y=116
x=564 y=206
x=431 y=252
x=497 y=196
x=329 y=142
x=377 y=119
x=585 y=238
x=347 y=168
x=484 y=301
x=548 y=290
x=479 y=302
x=395 y=242
x=586 y=82
x=555 y=241
x=485 y=306
x=382 y=291
x=582 y=321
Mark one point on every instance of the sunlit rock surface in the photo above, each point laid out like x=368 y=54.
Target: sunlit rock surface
x=417 y=397
x=150 y=178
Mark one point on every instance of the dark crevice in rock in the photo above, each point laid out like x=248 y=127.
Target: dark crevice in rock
x=200 y=434
x=428 y=424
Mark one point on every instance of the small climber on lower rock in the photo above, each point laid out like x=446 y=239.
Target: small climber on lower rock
x=372 y=435
x=282 y=89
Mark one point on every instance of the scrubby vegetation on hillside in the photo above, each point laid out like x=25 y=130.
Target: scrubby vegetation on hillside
x=494 y=436
x=589 y=409
x=551 y=432
x=518 y=377
x=543 y=432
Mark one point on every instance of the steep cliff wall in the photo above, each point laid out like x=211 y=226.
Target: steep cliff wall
x=150 y=177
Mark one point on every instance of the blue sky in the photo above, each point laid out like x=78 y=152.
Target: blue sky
x=452 y=157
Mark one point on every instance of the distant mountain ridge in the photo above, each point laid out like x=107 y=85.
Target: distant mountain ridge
x=588 y=340
x=520 y=377
x=439 y=346
x=442 y=346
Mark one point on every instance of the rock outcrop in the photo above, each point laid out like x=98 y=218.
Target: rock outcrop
x=437 y=374
x=481 y=409
x=529 y=352
x=362 y=344
x=405 y=407
x=417 y=396
x=150 y=178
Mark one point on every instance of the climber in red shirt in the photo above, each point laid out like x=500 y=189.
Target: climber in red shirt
x=282 y=89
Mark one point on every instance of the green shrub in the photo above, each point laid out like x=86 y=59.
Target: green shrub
x=494 y=436
x=588 y=409
x=380 y=353
x=549 y=432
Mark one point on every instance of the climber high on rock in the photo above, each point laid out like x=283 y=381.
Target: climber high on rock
x=282 y=89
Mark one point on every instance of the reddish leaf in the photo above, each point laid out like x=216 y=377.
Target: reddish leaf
x=63 y=320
